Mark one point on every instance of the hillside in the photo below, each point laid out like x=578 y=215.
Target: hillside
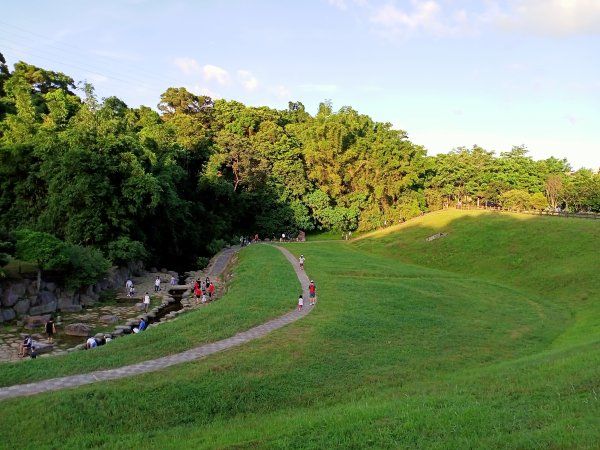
x=486 y=338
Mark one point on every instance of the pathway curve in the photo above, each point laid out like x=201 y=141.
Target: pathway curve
x=156 y=364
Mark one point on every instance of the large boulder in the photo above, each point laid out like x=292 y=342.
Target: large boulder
x=78 y=329
x=88 y=300
x=48 y=286
x=22 y=307
x=43 y=347
x=109 y=319
x=43 y=309
x=36 y=321
x=44 y=298
x=13 y=293
x=8 y=314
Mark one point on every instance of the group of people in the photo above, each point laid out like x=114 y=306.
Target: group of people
x=28 y=349
x=312 y=288
x=204 y=290
x=129 y=288
x=312 y=296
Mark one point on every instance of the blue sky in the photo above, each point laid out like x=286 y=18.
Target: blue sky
x=451 y=73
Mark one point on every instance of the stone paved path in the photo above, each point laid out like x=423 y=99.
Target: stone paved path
x=156 y=364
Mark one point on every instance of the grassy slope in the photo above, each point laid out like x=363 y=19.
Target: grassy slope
x=246 y=306
x=395 y=355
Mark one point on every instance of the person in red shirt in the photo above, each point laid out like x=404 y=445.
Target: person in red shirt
x=312 y=293
x=211 y=289
x=197 y=291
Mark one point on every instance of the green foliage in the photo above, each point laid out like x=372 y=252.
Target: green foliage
x=47 y=251
x=216 y=245
x=202 y=262
x=538 y=201
x=86 y=266
x=92 y=171
x=124 y=250
x=515 y=199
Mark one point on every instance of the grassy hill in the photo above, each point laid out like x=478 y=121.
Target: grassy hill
x=486 y=338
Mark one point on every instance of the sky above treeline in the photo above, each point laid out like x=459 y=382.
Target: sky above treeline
x=451 y=73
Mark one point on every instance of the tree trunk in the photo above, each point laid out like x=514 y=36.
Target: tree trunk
x=39 y=280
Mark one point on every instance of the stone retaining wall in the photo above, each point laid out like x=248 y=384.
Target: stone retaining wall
x=20 y=297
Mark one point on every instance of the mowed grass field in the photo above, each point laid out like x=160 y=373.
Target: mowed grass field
x=486 y=338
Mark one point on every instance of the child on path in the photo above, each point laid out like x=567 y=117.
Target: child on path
x=301 y=260
x=300 y=302
x=146 y=301
x=157 y=283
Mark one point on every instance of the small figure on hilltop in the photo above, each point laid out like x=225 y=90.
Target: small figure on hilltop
x=301 y=262
x=50 y=330
x=312 y=292
x=146 y=301
x=300 y=302
x=157 y=283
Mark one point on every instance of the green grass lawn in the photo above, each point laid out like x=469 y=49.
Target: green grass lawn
x=462 y=342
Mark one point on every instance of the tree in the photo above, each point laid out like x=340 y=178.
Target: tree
x=516 y=199
x=554 y=189
x=86 y=266
x=47 y=251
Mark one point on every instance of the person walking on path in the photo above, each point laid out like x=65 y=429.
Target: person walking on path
x=157 y=283
x=312 y=293
x=50 y=330
x=129 y=287
x=300 y=302
x=211 y=289
x=173 y=280
x=146 y=301
x=301 y=261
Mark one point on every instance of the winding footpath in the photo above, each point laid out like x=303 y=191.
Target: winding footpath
x=220 y=263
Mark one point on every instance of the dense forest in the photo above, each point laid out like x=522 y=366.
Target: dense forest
x=170 y=185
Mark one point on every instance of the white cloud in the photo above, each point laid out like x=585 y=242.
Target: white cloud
x=549 y=17
x=248 y=80
x=425 y=16
x=188 y=66
x=218 y=74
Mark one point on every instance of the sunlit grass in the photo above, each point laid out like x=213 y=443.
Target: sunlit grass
x=412 y=344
